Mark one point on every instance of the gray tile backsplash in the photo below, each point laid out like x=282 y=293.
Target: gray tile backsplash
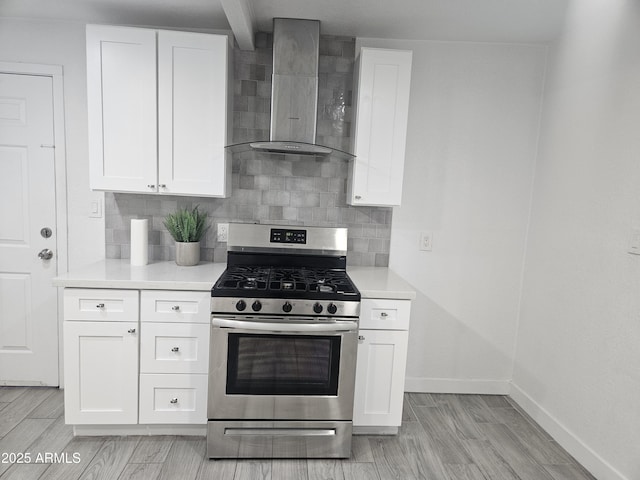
x=268 y=188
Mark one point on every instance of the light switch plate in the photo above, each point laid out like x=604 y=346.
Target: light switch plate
x=95 y=208
x=426 y=241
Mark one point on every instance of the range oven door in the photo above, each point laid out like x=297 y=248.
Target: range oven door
x=270 y=370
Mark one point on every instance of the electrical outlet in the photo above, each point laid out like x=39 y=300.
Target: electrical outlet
x=223 y=232
x=426 y=241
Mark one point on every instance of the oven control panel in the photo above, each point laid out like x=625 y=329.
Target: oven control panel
x=285 y=235
x=284 y=307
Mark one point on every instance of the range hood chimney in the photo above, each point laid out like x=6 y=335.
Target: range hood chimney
x=294 y=92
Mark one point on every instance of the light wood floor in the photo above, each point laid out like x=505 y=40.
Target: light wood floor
x=443 y=437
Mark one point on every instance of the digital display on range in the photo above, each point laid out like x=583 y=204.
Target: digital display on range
x=282 y=235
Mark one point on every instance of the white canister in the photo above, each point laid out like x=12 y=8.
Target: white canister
x=139 y=241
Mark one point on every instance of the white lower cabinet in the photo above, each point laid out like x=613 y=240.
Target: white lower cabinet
x=101 y=357
x=174 y=359
x=381 y=365
x=121 y=342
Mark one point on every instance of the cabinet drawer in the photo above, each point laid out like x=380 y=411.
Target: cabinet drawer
x=381 y=314
x=100 y=304
x=174 y=348
x=173 y=399
x=170 y=306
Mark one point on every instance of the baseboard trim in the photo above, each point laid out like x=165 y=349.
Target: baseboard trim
x=119 y=430
x=455 y=385
x=588 y=458
x=367 y=430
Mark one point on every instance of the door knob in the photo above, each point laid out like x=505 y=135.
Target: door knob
x=45 y=254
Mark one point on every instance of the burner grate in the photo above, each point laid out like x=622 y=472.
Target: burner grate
x=278 y=280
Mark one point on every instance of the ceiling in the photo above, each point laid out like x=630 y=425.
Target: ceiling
x=520 y=21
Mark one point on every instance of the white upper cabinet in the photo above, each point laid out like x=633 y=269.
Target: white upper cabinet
x=192 y=113
x=121 y=97
x=158 y=111
x=382 y=106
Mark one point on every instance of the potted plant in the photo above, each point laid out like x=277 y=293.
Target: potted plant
x=187 y=228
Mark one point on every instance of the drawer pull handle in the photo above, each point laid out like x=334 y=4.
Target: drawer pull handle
x=131 y=330
x=173 y=400
x=384 y=314
x=360 y=337
x=175 y=349
x=358 y=197
x=100 y=305
x=175 y=308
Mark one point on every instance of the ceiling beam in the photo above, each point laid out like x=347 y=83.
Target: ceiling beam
x=240 y=16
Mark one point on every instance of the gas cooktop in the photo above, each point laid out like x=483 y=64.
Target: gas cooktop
x=278 y=270
x=271 y=282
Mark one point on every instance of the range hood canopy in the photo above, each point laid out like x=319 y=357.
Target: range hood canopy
x=294 y=92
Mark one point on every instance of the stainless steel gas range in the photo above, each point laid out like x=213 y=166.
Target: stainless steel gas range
x=284 y=320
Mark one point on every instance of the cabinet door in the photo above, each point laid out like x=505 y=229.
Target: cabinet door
x=101 y=372
x=192 y=108
x=380 y=372
x=121 y=97
x=382 y=108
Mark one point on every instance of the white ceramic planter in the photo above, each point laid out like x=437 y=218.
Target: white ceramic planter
x=187 y=253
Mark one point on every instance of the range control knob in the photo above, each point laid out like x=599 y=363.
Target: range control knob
x=241 y=305
x=332 y=308
x=287 y=307
x=317 y=308
x=256 y=306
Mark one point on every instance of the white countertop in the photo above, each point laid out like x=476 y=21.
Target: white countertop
x=373 y=282
x=155 y=276
x=380 y=282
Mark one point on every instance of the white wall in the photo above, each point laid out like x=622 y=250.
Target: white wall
x=57 y=43
x=577 y=366
x=471 y=147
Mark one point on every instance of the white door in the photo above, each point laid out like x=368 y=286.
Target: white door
x=28 y=301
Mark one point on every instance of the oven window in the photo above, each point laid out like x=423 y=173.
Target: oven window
x=283 y=364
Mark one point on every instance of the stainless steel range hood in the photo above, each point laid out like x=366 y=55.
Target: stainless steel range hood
x=294 y=91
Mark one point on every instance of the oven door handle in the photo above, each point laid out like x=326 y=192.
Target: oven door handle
x=337 y=326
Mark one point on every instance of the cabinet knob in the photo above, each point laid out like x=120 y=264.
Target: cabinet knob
x=100 y=305
x=358 y=197
x=131 y=330
x=360 y=337
x=151 y=186
x=173 y=400
x=384 y=314
x=175 y=308
x=175 y=349
x=162 y=185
